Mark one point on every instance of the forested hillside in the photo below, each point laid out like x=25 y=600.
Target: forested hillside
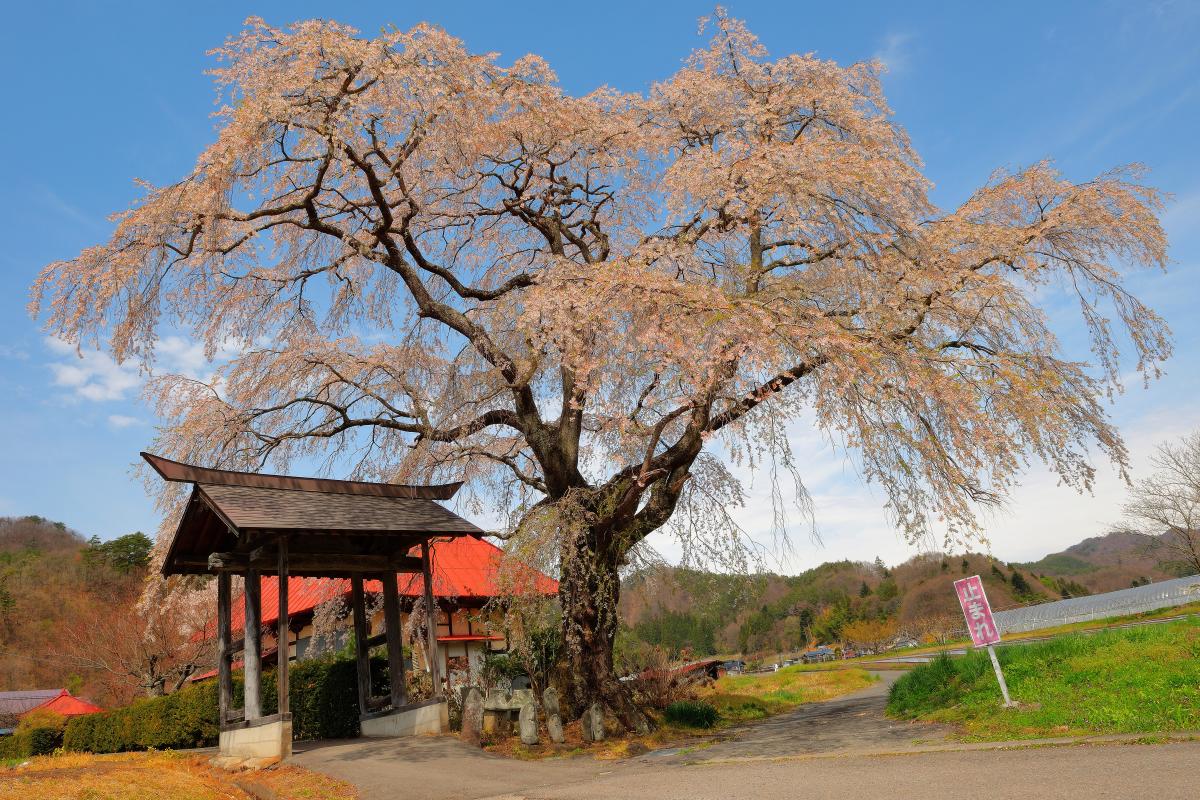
x=58 y=589
x=704 y=613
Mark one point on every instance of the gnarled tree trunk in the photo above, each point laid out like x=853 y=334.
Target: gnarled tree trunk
x=589 y=591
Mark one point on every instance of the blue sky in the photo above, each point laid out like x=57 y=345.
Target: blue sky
x=102 y=93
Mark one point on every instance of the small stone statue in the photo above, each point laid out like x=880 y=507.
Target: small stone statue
x=554 y=724
x=528 y=724
x=593 y=723
x=472 y=717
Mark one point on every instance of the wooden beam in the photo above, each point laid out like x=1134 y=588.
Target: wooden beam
x=395 y=639
x=252 y=646
x=224 y=644
x=283 y=646
x=431 y=644
x=358 y=600
x=266 y=563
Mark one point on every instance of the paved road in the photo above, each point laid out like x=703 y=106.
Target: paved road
x=1113 y=772
x=843 y=747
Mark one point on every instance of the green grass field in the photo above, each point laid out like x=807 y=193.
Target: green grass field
x=739 y=698
x=1136 y=680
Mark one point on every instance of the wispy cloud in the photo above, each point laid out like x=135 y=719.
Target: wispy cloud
x=14 y=353
x=895 y=52
x=55 y=203
x=94 y=375
x=122 y=421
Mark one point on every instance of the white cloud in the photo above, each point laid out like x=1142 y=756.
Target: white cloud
x=96 y=376
x=894 y=52
x=122 y=421
x=16 y=353
x=1041 y=516
x=91 y=374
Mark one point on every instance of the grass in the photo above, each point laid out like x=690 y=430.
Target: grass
x=1074 y=627
x=1134 y=680
x=739 y=698
x=158 y=775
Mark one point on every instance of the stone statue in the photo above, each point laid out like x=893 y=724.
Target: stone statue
x=472 y=717
x=528 y=724
x=554 y=724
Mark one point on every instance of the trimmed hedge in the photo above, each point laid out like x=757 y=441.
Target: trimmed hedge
x=31 y=742
x=323 y=698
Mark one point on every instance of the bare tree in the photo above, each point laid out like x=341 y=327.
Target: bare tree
x=1165 y=507
x=147 y=647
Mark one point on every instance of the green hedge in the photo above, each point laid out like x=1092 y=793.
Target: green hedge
x=323 y=699
x=31 y=742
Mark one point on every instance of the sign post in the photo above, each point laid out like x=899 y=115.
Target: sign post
x=980 y=624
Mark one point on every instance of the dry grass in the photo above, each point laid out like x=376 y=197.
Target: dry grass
x=736 y=698
x=156 y=776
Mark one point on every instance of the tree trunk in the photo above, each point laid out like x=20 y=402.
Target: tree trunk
x=589 y=590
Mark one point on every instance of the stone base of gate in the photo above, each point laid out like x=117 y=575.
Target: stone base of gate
x=429 y=716
x=257 y=743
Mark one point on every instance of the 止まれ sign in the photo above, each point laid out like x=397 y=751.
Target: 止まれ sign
x=978 y=613
x=981 y=624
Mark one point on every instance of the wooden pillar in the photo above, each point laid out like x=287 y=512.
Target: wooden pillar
x=360 y=642
x=395 y=640
x=252 y=645
x=431 y=645
x=224 y=645
x=283 y=647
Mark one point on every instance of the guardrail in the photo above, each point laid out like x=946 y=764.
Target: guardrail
x=1140 y=599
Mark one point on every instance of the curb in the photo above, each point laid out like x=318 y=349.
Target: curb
x=1161 y=737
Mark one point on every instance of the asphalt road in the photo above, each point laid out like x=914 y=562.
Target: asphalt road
x=854 y=723
x=837 y=749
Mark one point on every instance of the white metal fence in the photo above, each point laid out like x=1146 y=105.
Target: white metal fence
x=1150 y=597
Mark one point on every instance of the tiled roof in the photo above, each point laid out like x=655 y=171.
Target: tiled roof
x=67 y=705
x=464 y=568
x=250 y=507
x=19 y=702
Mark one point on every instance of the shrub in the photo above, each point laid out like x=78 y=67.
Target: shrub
x=323 y=704
x=692 y=713
x=38 y=733
x=30 y=742
x=658 y=684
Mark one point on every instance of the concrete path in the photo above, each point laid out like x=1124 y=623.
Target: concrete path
x=852 y=723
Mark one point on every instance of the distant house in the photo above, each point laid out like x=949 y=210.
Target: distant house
x=67 y=705
x=14 y=705
x=465 y=577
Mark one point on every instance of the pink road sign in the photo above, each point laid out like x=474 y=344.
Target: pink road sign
x=977 y=611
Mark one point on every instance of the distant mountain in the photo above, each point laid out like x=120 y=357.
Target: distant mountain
x=714 y=613
x=1106 y=563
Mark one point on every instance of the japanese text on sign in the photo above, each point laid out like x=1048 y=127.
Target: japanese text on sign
x=977 y=611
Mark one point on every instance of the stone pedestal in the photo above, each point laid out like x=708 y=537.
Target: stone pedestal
x=261 y=744
x=432 y=716
x=501 y=709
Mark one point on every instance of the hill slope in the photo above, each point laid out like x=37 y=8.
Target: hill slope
x=709 y=613
x=53 y=582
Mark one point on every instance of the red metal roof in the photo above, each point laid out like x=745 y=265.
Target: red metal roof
x=464 y=568
x=67 y=705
